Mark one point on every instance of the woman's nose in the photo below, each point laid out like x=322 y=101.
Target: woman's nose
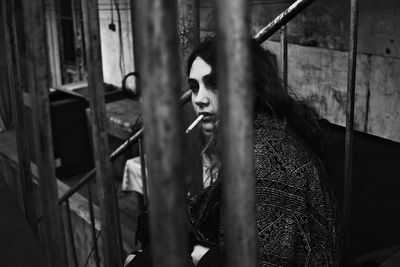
x=202 y=99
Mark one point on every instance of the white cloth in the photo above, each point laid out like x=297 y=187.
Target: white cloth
x=132 y=178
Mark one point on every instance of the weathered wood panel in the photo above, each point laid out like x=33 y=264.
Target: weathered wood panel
x=38 y=81
x=16 y=90
x=325 y=24
x=384 y=100
x=319 y=77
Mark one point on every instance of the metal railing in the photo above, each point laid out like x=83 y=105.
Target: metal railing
x=135 y=138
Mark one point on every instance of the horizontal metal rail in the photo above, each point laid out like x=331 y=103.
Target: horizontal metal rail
x=118 y=152
x=281 y=20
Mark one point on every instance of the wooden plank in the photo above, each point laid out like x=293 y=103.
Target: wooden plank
x=38 y=82
x=6 y=114
x=164 y=134
x=16 y=86
x=237 y=132
x=105 y=184
x=77 y=21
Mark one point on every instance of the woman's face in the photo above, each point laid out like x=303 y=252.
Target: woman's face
x=204 y=94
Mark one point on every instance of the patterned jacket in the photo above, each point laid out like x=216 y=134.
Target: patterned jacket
x=297 y=218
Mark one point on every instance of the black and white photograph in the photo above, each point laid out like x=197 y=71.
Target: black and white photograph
x=199 y=133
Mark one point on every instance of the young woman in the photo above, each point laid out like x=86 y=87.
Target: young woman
x=297 y=217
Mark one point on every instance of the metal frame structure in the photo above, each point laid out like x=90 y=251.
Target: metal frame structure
x=157 y=58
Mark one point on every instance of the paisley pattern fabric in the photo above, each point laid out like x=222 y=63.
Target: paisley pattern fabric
x=298 y=222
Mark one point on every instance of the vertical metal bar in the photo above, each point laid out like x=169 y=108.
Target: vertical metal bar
x=143 y=171
x=61 y=48
x=164 y=134
x=93 y=225
x=189 y=33
x=39 y=83
x=284 y=57
x=118 y=221
x=16 y=86
x=52 y=35
x=138 y=19
x=235 y=97
x=71 y=232
x=105 y=184
x=79 y=49
x=351 y=86
x=189 y=29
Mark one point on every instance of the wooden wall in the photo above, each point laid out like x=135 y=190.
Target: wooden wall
x=319 y=76
x=325 y=24
x=318 y=40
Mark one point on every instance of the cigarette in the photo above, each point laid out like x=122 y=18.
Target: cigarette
x=191 y=126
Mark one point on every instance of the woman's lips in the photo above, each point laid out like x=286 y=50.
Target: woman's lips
x=208 y=122
x=208 y=118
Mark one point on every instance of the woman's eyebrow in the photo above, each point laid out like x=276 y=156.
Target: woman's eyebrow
x=191 y=80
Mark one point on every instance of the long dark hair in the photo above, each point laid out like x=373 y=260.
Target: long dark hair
x=269 y=94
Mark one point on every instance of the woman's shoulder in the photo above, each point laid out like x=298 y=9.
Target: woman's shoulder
x=289 y=174
x=277 y=142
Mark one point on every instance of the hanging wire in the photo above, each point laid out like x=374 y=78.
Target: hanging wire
x=111 y=26
x=93 y=248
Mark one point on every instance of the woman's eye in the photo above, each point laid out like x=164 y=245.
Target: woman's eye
x=193 y=86
x=213 y=86
x=211 y=82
